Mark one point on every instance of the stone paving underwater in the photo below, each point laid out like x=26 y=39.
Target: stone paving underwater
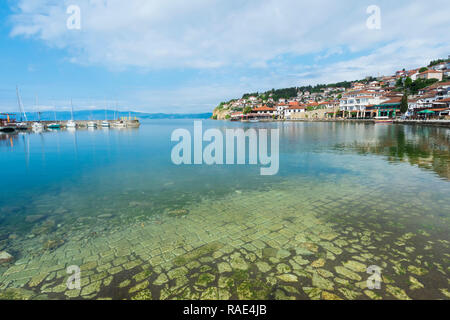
x=287 y=243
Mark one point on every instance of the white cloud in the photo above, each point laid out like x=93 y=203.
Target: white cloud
x=211 y=34
x=253 y=35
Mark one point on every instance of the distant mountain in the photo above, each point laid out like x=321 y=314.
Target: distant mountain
x=109 y=114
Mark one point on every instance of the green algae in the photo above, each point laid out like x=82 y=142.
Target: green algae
x=397 y=292
x=142 y=295
x=139 y=286
x=205 y=279
x=253 y=290
x=16 y=294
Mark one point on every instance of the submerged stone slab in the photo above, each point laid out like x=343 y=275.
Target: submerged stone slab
x=347 y=273
x=288 y=278
x=263 y=266
x=321 y=282
x=355 y=266
x=224 y=267
x=397 y=292
x=5 y=257
x=330 y=296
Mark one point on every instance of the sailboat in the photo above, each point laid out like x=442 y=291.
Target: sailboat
x=37 y=126
x=55 y=125
x=105 y=124
x=92 y=124
x=21 y=125
x=71 y=123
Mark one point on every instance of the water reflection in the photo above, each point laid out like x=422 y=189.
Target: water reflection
x=8 y=140
x=425 y=147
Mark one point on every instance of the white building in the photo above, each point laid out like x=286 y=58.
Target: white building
x=290 y=111
x=359 y=100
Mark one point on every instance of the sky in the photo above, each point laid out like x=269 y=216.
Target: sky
x=182 y=56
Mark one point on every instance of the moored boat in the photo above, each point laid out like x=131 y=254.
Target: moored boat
x=54 y=126
x=384 y=120
x=120 y=124
x=36 y=126
x=71 y=124
x=7 y=129
x=7 y=122
x=22 y=126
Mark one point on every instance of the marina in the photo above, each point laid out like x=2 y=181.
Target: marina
x=10 y=127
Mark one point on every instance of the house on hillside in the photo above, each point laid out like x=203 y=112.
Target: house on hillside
x=293 y=110
x=440 y=66
x=265 y=111
x=430 y=74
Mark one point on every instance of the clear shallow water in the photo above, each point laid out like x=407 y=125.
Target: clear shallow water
x=347 y=196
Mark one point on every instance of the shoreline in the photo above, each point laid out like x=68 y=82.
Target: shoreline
x=440 y=123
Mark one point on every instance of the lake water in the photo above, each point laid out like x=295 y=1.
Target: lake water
x=347 y=196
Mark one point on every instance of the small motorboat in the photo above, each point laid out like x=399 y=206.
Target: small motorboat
x=384 y=120
x=105 y=124
x=92 y=124
x=253 y=120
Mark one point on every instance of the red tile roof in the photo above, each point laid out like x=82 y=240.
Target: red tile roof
x=265 y=108
x=430 y=71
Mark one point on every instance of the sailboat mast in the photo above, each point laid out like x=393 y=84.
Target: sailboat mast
x=36 y=108
x=21 y=109
x=71 y=109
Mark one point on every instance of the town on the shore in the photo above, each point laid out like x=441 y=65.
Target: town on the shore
x=417 y=94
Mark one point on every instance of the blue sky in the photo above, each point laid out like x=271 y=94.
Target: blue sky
x=178 y=56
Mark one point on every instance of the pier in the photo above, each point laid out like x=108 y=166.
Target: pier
x=84 y=123
x=79 y=124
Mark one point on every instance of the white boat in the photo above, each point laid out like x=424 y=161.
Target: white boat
x=37 y=126
x=253 y=120
x=71 y=123
x=383 y=120
x=105 y=124
x=120 y=124
x=92 y=124
x=22 y=126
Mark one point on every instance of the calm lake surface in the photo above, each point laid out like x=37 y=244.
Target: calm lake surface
x=110 y=201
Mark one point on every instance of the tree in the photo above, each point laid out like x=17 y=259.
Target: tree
x=404 y=103
x=247 y=110
x=408 y=82
x=399 y=82
x=423 y=69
